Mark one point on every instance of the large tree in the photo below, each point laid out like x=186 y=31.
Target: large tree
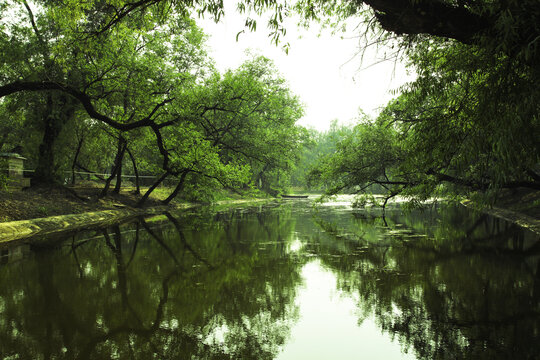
x=123 y=78
x=469 y=122
x=236 y=124
x=250 y=113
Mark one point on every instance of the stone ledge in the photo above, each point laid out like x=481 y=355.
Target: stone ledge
x=16 y=230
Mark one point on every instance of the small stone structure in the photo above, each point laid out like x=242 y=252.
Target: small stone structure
x=12 y=165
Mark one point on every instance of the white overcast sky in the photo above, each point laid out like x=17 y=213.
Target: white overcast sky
x=321 y=68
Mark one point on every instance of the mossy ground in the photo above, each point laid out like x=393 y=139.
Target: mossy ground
x=44 y=201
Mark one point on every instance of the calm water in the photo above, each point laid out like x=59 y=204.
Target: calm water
x=277 y=282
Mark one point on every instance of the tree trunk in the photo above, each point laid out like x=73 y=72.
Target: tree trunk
x=429 y=17
x=59 y=109
x=152 y=188
x=45 y=168
x=136 y=171
x=74 y=163
x=122 y=146
x=178 y=187
x=117 y=161
x=44 y=172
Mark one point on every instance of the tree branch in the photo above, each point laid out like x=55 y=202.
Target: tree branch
x=83 y=98
x=429 y=17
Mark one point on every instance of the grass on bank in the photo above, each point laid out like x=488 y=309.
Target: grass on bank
x=44 y=201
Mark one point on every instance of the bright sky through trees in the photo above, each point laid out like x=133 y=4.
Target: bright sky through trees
x=325 y=70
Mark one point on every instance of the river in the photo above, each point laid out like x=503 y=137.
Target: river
x=280 y=281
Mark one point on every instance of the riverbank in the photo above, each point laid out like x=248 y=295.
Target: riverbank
x=41 y=202
x=41 y=211
x=23 y=229
x=513 y=216
x=521 y=207
x=46 y=201
x=47 y=211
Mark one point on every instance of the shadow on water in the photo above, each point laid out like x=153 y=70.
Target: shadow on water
x=444 y=283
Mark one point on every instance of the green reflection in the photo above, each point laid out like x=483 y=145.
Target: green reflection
x=150 y=290
x=448 y=284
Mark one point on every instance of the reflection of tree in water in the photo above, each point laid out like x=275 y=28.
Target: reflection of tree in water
x=469 y=290
x=143 y=291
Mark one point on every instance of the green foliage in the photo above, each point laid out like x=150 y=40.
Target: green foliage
x=364 y=157
x=470 y=116
x=468 y=125
x=249 y=115
x=317 y=145
x=151 y=67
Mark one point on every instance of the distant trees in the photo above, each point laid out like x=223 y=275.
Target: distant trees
x=317 y=145
x=364 y=157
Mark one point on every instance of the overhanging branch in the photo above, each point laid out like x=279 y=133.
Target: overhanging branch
x=429 y=17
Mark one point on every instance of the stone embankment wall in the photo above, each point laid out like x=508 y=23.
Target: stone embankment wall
x=16 y=230
x=522 y=220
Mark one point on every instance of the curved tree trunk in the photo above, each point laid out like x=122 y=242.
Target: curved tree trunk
x=178 y=187
x=152 y=188
x=117 y=163
x=136 y=171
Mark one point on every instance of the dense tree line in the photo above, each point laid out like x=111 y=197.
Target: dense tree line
x=138 y=70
